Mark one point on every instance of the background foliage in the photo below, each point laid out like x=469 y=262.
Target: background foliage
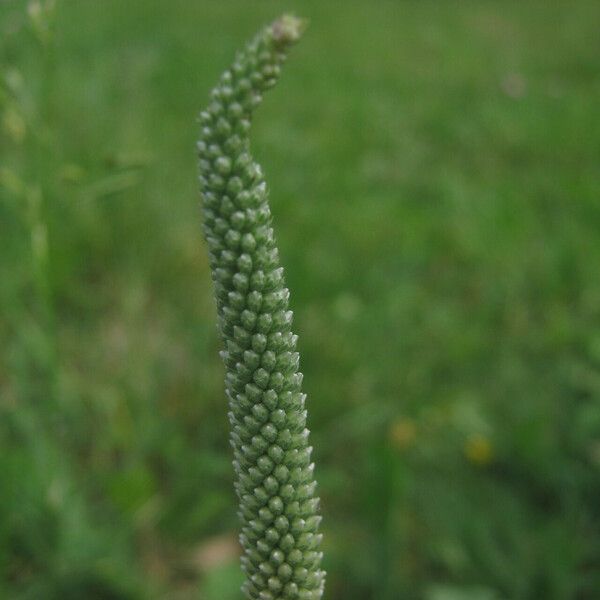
x=435 y=179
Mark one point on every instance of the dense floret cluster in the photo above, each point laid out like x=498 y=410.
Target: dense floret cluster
x=272 y=458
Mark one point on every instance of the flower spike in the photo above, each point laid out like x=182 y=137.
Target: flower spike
x=275 y=484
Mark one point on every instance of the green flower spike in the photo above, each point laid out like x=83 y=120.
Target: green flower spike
x=272 y=459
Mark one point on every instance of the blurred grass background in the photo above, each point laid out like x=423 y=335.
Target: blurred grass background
x=435 y=179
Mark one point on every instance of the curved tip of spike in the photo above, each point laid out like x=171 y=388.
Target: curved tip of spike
x=288 y=29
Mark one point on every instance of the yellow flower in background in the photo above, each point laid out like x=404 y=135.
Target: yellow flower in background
x=71 y=173
x=478 y=449
x=403 y=432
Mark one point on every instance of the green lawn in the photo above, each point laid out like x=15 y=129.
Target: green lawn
x=435 y=182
